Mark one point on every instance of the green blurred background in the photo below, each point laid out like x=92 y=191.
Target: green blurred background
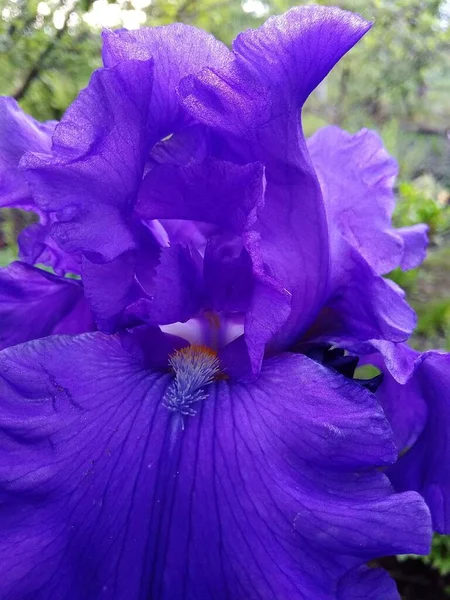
x=397 y=80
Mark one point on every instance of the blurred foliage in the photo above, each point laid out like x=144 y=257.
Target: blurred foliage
x=428 y=286
x=396 y=72
x=397 y=80
x=426 y=201
x=8 y=236
x=439 y=557
x=7 y=255
x=423 y=201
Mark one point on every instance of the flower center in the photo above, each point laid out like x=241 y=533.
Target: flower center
x=194 y=367
x=211 y=331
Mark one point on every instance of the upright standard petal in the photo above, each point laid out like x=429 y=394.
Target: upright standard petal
x=177 y=50
x=175 y=293
x=35 y=304
x=357 y=175
x=253 y=104
x=89 y=184
x=271 y=491
x=19 y=133
x=103 y=141
x=235 y=276
x=221 y=193
x=99 y=156
x=222 y=198
x=91 y=179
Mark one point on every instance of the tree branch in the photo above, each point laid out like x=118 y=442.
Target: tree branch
x=40 y=62
x=426 y=130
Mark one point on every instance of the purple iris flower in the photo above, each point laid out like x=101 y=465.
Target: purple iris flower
x=183 y=421
x=34 y=303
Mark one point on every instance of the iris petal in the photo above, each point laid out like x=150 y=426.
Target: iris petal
x=177 y=50
x=253 y=104
x=19 y=133
x=175 y=293
x=99 y=150
x=362 y=306
x=271 y=491
x=170 y=192
x=357 y=176
x=367 y=584
x=36 y=246
x=34 y=304
x=423 y=404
